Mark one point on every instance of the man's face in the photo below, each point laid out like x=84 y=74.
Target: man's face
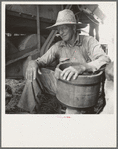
x=66 y=32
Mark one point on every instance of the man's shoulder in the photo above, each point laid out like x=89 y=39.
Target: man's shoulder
x=86 y=38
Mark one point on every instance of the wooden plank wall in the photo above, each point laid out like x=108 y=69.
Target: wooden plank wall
x=46 y=11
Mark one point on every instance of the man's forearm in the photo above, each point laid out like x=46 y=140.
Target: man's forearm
x=98 y=63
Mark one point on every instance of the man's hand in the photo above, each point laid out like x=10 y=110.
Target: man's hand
x=31 y=71
x=109 y=72
x=70 y=72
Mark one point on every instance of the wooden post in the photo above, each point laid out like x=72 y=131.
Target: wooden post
x=38 y=29
x=49 y=43
x=62 y=7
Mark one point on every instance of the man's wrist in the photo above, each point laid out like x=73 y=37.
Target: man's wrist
x=90 y=68
x=80 y=67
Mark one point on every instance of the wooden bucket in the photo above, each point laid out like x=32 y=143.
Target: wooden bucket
x=80 y=93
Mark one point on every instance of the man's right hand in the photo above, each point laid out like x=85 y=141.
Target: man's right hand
x=32 y=70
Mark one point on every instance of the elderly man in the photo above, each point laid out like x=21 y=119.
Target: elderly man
x=72 y=48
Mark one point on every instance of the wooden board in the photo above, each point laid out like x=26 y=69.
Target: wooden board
x=20 y=55
x=46 y=11
x=24 y=23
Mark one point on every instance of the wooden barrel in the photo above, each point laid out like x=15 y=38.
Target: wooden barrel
x=80 y=93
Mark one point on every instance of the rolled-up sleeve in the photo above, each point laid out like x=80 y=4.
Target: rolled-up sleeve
x=96 y=53
x=48 y=57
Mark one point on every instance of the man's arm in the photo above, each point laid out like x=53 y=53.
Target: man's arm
x=97 y=55
x=48 y=57
x=35 y=65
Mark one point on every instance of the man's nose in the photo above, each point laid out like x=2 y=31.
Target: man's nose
x=61 y=32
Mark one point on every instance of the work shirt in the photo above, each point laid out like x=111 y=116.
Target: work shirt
x=85 y=49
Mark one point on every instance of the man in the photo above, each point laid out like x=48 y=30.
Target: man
x=73 y=48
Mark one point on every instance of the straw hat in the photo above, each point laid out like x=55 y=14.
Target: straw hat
x=65 y=16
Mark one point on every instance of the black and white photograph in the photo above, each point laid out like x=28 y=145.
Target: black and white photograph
x=59 y=62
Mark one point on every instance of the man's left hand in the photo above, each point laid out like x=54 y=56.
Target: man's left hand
x=70 y=72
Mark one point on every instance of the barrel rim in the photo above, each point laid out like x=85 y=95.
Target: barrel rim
x=83 y=75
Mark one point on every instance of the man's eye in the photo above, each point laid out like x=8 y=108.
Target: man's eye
x=64 y=27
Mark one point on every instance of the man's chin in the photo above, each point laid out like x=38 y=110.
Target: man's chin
x=65 y=39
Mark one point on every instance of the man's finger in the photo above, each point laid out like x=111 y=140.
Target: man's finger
x=26 y=74
x=64 y=71
x=30 y=73
x=66 y=74
x=75 y=76
x=70 y=75
x=34 y=74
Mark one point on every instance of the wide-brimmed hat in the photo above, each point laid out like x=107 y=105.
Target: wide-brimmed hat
x=65 y=16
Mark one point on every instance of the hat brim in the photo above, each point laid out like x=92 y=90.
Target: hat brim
x=54 y=27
